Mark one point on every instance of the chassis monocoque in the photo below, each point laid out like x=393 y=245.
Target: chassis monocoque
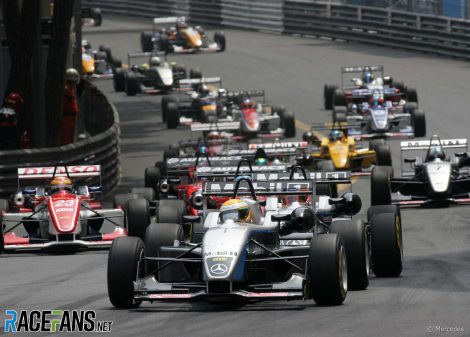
x=432 y=181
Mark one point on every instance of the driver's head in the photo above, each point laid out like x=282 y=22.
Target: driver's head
x=367 y=77
x=261 y=162
x=336 y=135
x=60 y=184
x=236 y=210
x=435 y=152
x=155 y=61
x=214 y=135
x=248 y=103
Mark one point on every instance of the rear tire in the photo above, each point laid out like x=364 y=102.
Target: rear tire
x=219 y=38
x=288 y=123
x=171 y=211
x=380 y=190
x=172 y=116
x=195 y=73
x=419 y=122
x=386 y=240
x=411 y=95
x=327 y=269
x=152 y=178
x=339 y=99
x=131 y=84
x=383 y=155
x=339 y=114
x=374 y=143
x=146 y=42
x=146 y=192
x=97 y=16
x=120 y=200
x=138 y=217
x=355 y=239
x=328 y=92
x=119 y=79
x=123 y=260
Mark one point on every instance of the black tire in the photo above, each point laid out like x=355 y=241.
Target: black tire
x=339 y=114
x=328 y=93
x=101 y=55
x=219 y=38
x=119 y=79
x=386 y=240
x=374 y=143
x=164 y=107
x=123 y=260
x=354 y=235
x=411 y=95
x=171 y=211
x=339 y=99
x=152 y=177
x=138 y=217
x=97 y=16
x=419 y=122
x=146 y=192
x=120 y=200
x=383 y=155
x=162 y=166
x=172 y=116
x=380 y=189
x=195 y=73
x=160 y=235
x=146 y=42
x=197 y=232
x=107 y=51
x=409 y=107
x=164 y=44
x=279 y=109
x=131 y=84
x=116 y=63
x=288 y=123
x=327 y=269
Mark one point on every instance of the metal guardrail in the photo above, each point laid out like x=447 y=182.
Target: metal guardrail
x=413 y=31
x=102 y=148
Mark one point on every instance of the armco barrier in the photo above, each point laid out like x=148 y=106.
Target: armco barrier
x=101 y=148
x=412 y=31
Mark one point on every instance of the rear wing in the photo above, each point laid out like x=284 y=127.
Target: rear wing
x=424 y=144
x=240 y=94
x=131 y=56
x=187 y=162
x=81 y=171
x=331 y=177
x=170 y=19
x=193 y=143
x=279 y=145
x=189 y=82
x=222 y=126
x=270 y=152
x=230 y=171
x=265 y=188
x=360 y=69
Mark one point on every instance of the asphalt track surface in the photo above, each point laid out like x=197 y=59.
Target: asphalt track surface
x=432 y=297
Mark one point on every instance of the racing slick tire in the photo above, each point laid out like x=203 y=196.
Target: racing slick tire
x=119 y=79
x=146 y=42
x=123 y=260
x=355 y=237
x=288 y=123
x=115 y=63
x=327 y=269
x=411 y=95
x=107 y=51
x=328 y=92
x=339 y=114
x=162 y=166
x=161 y=235
x=195 y=73
x=386 y=240
x=219 y=38
x=279 y=109
x=380 y=189
x=120 y=200
x=419 y=122
x=131 y=84
x=339 y=99
x=172 y=116
x=197 y=232
x=101 y=55
x=164 y=107
x=170 y=211
x=374 y=143
x=145 y=192
x=152 y=178
x=97 y=16
x=383 y=155
x=164 y=44
x=409 y=107
x=138 y=217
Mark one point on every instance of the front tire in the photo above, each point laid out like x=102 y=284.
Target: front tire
x=288 y=123
x=328 y=92
x=146 y=42
x=119 y=79
x=138 y=217
x=219 y=38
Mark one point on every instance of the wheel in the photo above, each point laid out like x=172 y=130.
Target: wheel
x=146 y=193
x=219 y=38
x=383 y=155
x=119 y=79
x=160 y=235
x=152 y=177
x=339 y=99
x=171 y=152
x=354 y=235
x=386 y=240
x=120 y=200
x=280 y=110
x=115 y=62
x=374 y=143
x=107 y=51
x=409 y=107
x=197 y=232
x=138 y=217
x=339 y=114
x=380 y=190
x=195 y=73
x=146 y=41
x=327 y=269
x=288 y=123
x=101 y=55
x=131 y=84
x=123 y=260
x=172 y=116
x=328 y=92
x=164 y=44
x=162 y=166
x=171 y=211
x=96 y=16
x=411 y=95
x=164 y=107
x=418 y=120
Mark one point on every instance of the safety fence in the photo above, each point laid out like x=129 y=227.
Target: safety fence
x=102 y=147
x=387 y=27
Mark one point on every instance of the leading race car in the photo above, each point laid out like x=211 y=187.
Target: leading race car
x=180 y=38
x=438 y=179
x=98 y=63
x=58 y=215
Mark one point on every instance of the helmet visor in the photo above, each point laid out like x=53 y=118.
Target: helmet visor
x=242 y=215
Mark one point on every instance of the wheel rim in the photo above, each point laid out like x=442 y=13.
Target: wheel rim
x=342 y=271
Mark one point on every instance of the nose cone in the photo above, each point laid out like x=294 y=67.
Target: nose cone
x=339 y=155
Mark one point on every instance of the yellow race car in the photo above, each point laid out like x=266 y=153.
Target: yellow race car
x=337 y=151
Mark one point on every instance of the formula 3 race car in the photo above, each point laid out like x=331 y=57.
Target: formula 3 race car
x=438 y=179
x=62 y=215
x=98 y=63
x=179 y=37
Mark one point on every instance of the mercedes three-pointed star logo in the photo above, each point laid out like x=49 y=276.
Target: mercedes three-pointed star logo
x=219 y=269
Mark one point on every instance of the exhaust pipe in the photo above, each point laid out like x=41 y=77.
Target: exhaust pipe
x=196 y=200
x=164 y=187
